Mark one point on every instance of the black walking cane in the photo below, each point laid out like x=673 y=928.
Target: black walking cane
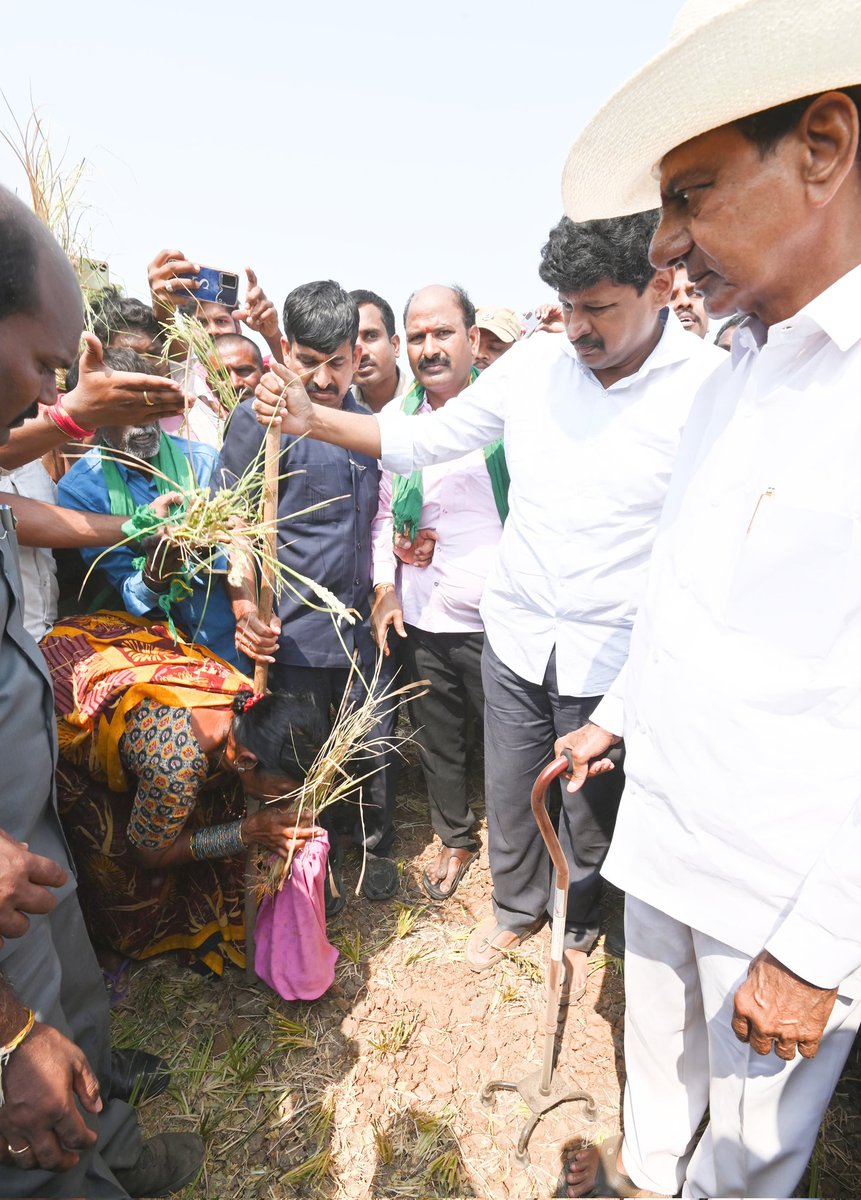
x=539 y=1089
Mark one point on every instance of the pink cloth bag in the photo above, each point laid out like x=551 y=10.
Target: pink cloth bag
x=292 y=953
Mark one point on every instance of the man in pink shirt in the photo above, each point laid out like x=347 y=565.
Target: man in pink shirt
x=434 y=539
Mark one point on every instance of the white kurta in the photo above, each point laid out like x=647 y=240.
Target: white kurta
x=589 y=471
x=742 y=697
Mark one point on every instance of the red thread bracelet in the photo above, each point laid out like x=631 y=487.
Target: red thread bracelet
x=66 y=423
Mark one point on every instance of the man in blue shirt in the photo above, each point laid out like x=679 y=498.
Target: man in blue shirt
x=327 y=499
x=107 y=480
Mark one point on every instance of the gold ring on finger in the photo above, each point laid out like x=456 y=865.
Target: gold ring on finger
x=23 y=1149
x=147 y=400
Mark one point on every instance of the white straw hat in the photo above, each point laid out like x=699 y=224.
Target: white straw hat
x=725 y=59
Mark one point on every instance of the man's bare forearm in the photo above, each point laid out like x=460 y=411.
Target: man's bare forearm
x=41 y=524
x=353 y=431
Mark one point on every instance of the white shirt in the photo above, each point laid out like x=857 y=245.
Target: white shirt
x=443 y=597
x=742 y=697
x=589 y=470
x=39 y=587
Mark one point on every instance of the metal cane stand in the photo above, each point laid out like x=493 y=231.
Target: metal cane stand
x=539 y=1089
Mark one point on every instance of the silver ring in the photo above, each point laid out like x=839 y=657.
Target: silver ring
x=23 y=1149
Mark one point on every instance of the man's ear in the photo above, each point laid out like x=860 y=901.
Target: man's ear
x=396 y=345
x=661 y=285
x=828 y=131
x=474 y=336
x=357 y=357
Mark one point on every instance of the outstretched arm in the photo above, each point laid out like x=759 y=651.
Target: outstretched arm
x=280 y=395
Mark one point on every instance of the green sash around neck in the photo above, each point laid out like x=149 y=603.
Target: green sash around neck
x=408 y=490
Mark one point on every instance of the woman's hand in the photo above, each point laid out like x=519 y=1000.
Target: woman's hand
x=277 y=827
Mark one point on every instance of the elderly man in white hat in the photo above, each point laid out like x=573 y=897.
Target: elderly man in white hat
x=738 y=840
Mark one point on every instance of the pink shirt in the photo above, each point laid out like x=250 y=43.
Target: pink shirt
x=443 y=597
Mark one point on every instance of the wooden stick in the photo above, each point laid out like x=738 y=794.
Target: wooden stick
x=271 y=472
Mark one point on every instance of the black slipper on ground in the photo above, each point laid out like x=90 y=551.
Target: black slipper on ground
x=609 y=1180
x=137 y=1075
x=381 y=879
x=334 y=895
x=432 y=887
x=168 y=1162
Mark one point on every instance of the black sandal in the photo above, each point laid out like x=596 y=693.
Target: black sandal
x=433 y=889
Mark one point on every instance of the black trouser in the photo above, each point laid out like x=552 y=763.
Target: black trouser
x=326 y=686
x=521 y=722
x=451 y=662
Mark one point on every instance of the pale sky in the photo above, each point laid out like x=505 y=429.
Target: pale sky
x=386 y=145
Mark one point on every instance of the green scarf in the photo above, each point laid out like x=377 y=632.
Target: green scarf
x=172 y=472
x=408 y=490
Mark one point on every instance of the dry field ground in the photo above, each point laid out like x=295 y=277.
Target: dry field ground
x=373 y=1091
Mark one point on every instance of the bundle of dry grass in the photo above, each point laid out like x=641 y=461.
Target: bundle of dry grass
x=206 y=528
x=350 y=755
x=188 y=339
x=55 y=198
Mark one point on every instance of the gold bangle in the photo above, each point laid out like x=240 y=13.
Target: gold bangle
x=19 y=1037
x=380 y=589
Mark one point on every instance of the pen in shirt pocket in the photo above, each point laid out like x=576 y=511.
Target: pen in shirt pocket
x=766 y=495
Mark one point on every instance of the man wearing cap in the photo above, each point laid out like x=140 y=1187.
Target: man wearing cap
x=498 y=330
x=591 y=424
x=738 y=841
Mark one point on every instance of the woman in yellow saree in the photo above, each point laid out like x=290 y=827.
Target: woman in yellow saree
x=155 y=736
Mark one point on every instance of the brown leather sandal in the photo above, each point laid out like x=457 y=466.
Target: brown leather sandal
x=463 y=857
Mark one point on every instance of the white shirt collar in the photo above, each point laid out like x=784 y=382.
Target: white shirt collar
x=834 y=312
x=674 y=345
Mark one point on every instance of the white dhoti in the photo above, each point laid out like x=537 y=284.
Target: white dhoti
x=683 y=1059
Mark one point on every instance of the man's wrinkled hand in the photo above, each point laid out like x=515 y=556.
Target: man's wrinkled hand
x=774 y=1008
x=41 y=1081
x=281 y=396
x=418 y=553
x=588 y=746
x=25 y=883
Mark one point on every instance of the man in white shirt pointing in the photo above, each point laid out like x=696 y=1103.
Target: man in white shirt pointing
x=738 y=840
x=591 y=423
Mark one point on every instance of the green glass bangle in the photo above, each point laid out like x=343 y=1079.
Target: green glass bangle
x=217 y=841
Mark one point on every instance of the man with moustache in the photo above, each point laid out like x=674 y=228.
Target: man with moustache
x=242 y=361
x=327 y=499
x=64 y=1131
x=738 y=841
x=131 y=466
x=591 y=424
x=435 y=537
x=687 y=304
x=378 y=378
